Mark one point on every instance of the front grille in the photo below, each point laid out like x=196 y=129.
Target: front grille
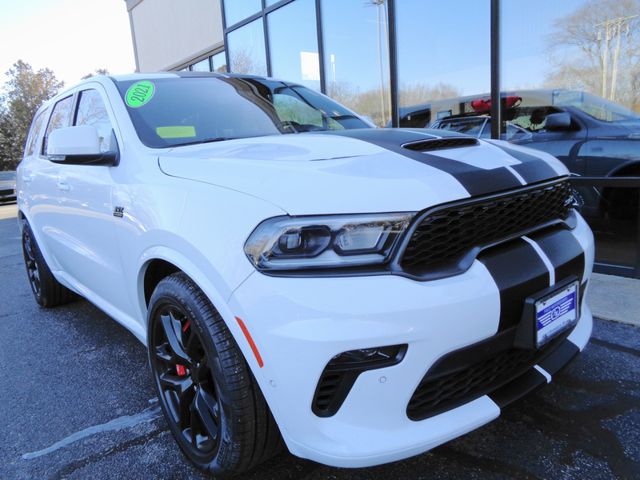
x=451 y=236
x=441 y=144
x=436 y=394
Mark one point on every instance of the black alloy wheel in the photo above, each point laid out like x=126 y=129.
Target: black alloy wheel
x=185 y=380
x=31 y=263
x=211 y=400
x=47 y=291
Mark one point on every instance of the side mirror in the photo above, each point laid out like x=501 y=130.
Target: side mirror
x=78 y=145
x=558 y=121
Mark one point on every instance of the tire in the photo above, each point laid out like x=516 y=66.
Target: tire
x=212 y=402
x=47 y=291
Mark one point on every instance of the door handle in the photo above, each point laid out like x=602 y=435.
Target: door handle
x=63 y=186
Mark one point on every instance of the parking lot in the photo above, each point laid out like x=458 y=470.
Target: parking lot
x=77 y=402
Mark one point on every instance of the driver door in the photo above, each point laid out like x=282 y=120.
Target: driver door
x=89 y=252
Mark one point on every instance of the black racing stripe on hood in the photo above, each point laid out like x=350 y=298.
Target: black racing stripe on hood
x=519 y=272
x=477 y=181
x=564 y=252
x=532 y=168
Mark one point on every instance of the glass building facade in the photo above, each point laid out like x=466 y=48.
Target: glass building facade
x=563 y=77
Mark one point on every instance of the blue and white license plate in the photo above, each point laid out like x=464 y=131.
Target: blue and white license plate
x=556 y=313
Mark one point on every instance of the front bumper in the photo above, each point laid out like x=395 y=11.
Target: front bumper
x=299 y=324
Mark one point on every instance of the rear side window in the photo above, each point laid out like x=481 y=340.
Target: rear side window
x=34 y=134
x=60 y=117
x=92 y=111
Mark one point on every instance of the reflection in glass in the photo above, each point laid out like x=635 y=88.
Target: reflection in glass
x=612 y=214
x=443 y=52
x=356 y=56
x=296 y=60
x=201 y=66
x=219 y=62
x=575 y=65
x=246 y=49
x=237 y=10
x=576 y=74
x=92 y=111
x=60 y=117
x=191 y=110
x=584 y=45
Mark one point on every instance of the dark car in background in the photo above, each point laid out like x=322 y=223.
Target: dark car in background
x=592 y=136
x=479 y=126
x=7 y=187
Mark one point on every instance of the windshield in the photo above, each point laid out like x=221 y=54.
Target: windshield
x=169 y=112
x=599 y=108
x=468 y=126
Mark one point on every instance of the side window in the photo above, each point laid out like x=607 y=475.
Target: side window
x=92 y=111
x=60 y=117
x=533 y=119
x=34 y=133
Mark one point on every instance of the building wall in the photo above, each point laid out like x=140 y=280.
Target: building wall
x=168 y=33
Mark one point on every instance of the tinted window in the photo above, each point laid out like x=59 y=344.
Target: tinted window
x=194 y=110
x=91 y=111
x=34 y=133
x=60 y=117
x=419 y=119
x=601 y=109
x=468 y=126
x=533 y=118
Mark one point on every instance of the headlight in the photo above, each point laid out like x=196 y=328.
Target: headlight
x=331 y=241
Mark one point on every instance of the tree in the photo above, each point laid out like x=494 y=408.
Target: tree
x=98 y=71
x=597 y=49
x=416 y=93
x=24 y=92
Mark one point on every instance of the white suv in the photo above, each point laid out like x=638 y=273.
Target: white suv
x=359 y=295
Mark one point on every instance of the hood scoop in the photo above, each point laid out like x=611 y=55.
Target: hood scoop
x=441 y=144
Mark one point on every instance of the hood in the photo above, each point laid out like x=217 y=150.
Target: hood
x=360 y=171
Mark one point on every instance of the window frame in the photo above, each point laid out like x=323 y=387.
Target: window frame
x=73 y=96
x=35 y=132
x=76 y=107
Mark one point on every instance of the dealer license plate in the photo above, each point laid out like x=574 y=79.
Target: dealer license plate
x=556 y=313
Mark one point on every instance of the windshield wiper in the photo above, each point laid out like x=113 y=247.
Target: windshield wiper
x=204 y=140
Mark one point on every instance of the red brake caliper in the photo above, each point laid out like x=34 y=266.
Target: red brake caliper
x=181 y=370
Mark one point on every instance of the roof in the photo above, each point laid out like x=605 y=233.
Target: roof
x=158 y=75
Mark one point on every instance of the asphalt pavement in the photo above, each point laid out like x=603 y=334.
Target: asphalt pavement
x=76 y=401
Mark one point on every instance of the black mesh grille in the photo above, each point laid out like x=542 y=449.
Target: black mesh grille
x=445 y=236
x=441 y=144
x=435 y=395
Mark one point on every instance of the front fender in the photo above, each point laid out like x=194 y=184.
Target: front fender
x=195 y=265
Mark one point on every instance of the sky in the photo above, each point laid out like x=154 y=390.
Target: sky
x=454 y=48
x=447 y=41
x=70 y=37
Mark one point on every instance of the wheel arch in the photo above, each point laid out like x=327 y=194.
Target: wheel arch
x=159 y=262
x=25 y=218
